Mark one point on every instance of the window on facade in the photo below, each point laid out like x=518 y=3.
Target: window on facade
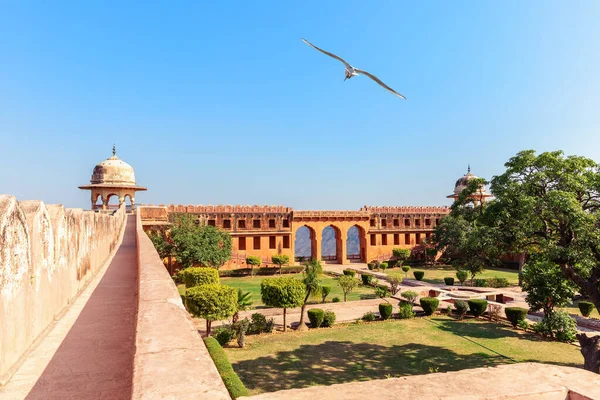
x=242 y=243
x=271 y=223
x=418 y=238
x=406 y=222
x=427 y=222
x=427 y=235
x=384 y=239
x=384 y=222
x=212 y=222
x=256 y=224
x=286 y=242
x=396 y=239
x=373 y=239
x=417 y=222
x=407 y=238
x=372 y=222
x=226 y=224
x=437 y=221
x=242 y=224
x=396 y=222
x=257 y=243
x=286 y=223
x=272 y=244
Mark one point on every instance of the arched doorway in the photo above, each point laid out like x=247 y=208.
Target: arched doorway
x=112 y=200
x=331 y=245
x=98 y=202
x=356 y=244
x=305 y=246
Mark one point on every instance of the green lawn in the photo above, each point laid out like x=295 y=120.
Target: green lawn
x=359 y=352
x=437 y=273
x=252 y=285
x=574 y=309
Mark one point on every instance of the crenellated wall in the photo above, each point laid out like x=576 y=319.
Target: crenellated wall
x=47 y=256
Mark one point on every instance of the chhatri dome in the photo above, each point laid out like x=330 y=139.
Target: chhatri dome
x=112 y=177
x=462 y=183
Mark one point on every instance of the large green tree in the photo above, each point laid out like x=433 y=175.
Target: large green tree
x=199 y=244
x=213 y=302
x=285 y=292
x=164 y=246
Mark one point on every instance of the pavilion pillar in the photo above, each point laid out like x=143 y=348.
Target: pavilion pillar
x=341 y=247
x=316 y=245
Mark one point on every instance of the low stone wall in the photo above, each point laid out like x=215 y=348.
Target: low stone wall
x=171 y=361
x=48 y=254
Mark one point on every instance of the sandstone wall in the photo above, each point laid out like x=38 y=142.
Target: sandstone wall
x=47 y=255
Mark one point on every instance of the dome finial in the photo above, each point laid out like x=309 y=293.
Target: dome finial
x=114 y=150
x=468 y=168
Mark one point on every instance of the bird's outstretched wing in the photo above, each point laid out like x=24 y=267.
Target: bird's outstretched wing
x=328 y=53
x=376 y=79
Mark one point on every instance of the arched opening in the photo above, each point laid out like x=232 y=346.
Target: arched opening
x=305 y=246
x=331 y=245
x=97 y=204
x=113 y=201
x=356 y=244
x=128 y=202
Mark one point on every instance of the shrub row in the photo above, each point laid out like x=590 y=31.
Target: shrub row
x=292 y=269
x=350 y=272
x=320 y=319
x=232 y=381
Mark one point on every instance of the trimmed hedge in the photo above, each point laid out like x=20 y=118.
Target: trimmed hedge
x=232 y=381
x=366 y=279
x=477 y=307
x=515 y=315
x=419 y=275
x=371 y=266
x=449 y=281
x=429 y=304
x=497 y=282
x=383 y=266
x=350 y=272
x=385 y=310
x=316 y=317
x=197 y=276
x=480 y=283
x=328 y=319
x=462 y=276
x=586 y=308
x=294 y=269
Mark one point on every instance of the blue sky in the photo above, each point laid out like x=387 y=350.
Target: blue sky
x=221 y=102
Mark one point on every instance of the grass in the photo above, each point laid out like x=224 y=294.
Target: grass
x=574 y=309
x=437 y=273
x=359 y=352
x=252 y=285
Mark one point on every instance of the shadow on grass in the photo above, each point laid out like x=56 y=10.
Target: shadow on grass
x=342 y=361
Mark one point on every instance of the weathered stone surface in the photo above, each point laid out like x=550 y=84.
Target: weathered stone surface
x=47 y=255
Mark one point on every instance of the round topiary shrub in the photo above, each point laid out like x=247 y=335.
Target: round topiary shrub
x=461 y=308
x=328 y=320
x=385 y=310
x=383 y=266
x=350 y=272
x=366 y=279
x=449 y=281
x=371 y=266
x=586 y=308
x=419 y=275
x=197 y=276
x=477 y=307
x=335 y=300
x=429 y=304
x=515 y=315
x=316 y=317
x=462 y=276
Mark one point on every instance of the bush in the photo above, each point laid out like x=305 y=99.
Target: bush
x=336 y=299
x=477 y=307
x=214 y=302
x=316 y=316
x=325 y=290
x=196 y=276
x=405 y=268
x=449 y=281
x=293 y=269
x=240 y=329
x=369 y=316
x=383 y=266
x=366 y=279
x=462 y=276
x=406 y=311
x=392 y=263
x=558 y=325
x=224 y=334
x=429 y=304
x=260 y=324
x=232 y=382
x=523 y=325
x=461 y=308
x=494 y=311
x=586 y=308
x=328 y=319
x=395 y=282
x=371 y=266
x=401 y=254
x=480 y=283
x=350 y=272
x=410 y=296
x=515 y=315
x=419 y=275
x=385 y=310
x=496 y=282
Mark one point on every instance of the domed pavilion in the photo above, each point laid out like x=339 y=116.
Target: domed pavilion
x=461 y=184
x=112 y=177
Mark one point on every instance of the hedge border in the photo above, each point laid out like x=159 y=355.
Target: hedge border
x=231 y=380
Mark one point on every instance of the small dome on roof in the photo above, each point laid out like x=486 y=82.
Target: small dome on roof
x=113 y=171
x=463 y=182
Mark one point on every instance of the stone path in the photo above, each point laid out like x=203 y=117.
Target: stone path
x=89 y=353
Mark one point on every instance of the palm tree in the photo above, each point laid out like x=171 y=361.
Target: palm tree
x=244 y=302
x=312 y=283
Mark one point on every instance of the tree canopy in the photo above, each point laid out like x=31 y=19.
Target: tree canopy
x=284 y=292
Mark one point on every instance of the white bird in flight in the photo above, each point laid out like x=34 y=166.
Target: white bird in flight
x=351 y=71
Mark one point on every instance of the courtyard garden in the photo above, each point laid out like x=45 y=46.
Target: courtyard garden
x=436 y=274
x=365 y=351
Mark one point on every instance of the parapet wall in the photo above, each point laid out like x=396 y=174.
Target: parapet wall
x=48 y=254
